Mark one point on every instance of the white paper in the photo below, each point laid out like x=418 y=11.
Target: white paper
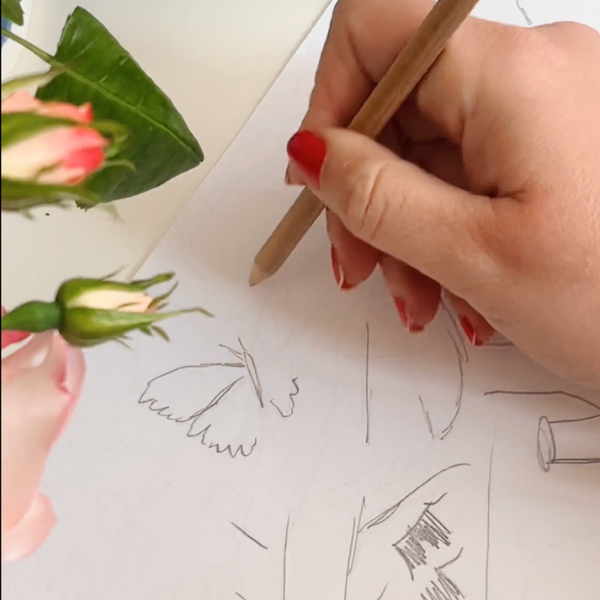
x=301 y=445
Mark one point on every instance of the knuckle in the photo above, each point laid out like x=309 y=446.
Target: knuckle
x=368 y=199
x=538 y=56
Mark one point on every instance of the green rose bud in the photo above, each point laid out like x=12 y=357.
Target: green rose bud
x=88 y=312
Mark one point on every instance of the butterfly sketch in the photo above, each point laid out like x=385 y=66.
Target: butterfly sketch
x=223 y=404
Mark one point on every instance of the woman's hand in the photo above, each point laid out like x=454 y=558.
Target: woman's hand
x=486 y=184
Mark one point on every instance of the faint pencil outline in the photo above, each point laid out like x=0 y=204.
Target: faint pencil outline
x=460 y=391
x=427 y=418
x=285 y=558
x=250 y=537
x=389 y=512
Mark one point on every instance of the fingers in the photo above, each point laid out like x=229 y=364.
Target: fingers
x=477 y=330
x=416 y=297
x=396 y=207
x=353 y=261
x=364 y=40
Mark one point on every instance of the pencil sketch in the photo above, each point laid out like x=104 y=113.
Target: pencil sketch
x=389 y=512
x=524 y=13
x=449 y=426
x=251 y=538
x=544 y=393
x=462 y=357
x=285 y=559
x=442 y=587
x=459 y=392
x=427 y=418
x=568 y=442
x=417 y=544
x=222 y=403
x=427 y=533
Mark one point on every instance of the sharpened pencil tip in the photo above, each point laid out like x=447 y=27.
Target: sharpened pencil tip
x=257 y=275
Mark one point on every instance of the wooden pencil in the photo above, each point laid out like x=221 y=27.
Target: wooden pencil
x=402 y=78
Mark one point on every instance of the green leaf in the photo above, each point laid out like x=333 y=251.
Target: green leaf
x=98 y=70
x=23 y=195
x=11 y=10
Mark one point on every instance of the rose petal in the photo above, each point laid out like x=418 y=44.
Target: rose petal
x=62 y=110
x=23 y=101
x=41 y=384
x=136 y=302
x=75 y=167
x=20 y=101
x=30 y=533
x=24 y=160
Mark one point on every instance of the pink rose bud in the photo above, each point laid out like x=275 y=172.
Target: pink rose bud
x=63 y=154
x=22 y=101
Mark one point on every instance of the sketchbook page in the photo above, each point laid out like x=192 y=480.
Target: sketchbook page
x=301 y=445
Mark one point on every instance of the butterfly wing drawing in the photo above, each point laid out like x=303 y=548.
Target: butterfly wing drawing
x=220 y=403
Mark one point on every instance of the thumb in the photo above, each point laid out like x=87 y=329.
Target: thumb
x=398 y=208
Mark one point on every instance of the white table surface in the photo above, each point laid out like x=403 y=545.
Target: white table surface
x=215 y=59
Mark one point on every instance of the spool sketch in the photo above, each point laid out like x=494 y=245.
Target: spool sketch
x=574 y=442
x=568 y=442
x=222 y=403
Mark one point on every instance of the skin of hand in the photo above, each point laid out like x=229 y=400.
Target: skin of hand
x=484 y=187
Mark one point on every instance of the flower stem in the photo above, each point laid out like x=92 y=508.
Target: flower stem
x=34 y=49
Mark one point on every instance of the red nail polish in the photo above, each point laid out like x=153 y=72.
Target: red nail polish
x=308 y=151
x=338 y=272
x=401 y=309
x=470 y=331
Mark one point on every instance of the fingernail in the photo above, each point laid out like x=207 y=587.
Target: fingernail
x=470 y=331
x=308 y=151
x=288 y=180
x=338 y=271
x=401 y=309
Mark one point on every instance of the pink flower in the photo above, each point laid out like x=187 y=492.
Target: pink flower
x=41 y=383
x=22 y=101
x=63 y=155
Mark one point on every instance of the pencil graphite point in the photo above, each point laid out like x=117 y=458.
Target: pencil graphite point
x=257 y=275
